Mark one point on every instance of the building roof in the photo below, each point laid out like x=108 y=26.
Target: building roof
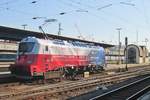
x=18 y=34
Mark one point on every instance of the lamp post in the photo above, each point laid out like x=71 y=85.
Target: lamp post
x=119 y=44
x=24 y=26
x=146 y=41
x=59 y=29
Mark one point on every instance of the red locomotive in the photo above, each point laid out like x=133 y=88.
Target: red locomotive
x=56 y=58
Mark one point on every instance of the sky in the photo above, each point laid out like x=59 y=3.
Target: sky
x=95 y=20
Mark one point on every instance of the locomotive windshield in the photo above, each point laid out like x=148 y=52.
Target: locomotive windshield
x=26 y=47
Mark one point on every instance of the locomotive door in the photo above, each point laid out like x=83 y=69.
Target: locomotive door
x=46 y=58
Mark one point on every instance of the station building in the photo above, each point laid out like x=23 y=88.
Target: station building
x=112 y=54
x=134 y=54
x=8 y=51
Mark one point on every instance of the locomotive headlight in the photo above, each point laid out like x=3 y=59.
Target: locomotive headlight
x=29 y=62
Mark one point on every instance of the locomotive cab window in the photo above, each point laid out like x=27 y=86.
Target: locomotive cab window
x=26 y=47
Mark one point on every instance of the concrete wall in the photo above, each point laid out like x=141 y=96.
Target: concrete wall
x=8 y=46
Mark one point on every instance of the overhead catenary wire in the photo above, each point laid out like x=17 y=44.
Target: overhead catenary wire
x=78 y=30
x=108 y=5
x=35 y=1
x=8 y=2
x=142 y=14
x=112 y=15
x=78 y=5
x=27 y=15
x=90 y=13
x=120 y=18
x=14 y=10
x=116 y=16
x=95 y=9
x=145 y=13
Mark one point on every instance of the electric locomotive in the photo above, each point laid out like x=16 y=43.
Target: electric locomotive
x=56 y=58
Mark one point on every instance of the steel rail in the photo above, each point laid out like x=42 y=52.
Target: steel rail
x=96 y=76
x=76 y=86
x=107 y=94
x=139 y=93
x=79 y=84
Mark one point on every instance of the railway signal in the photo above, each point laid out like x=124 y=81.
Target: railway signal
x=126 y=43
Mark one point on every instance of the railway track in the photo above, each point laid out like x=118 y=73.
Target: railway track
x=67 y=88
x=127 y=92
x=9 y=80
x=139 y=93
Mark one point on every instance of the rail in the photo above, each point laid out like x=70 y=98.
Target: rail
x=73 y=86
x=114 y=92
x=139 y=93
x=65 y=87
